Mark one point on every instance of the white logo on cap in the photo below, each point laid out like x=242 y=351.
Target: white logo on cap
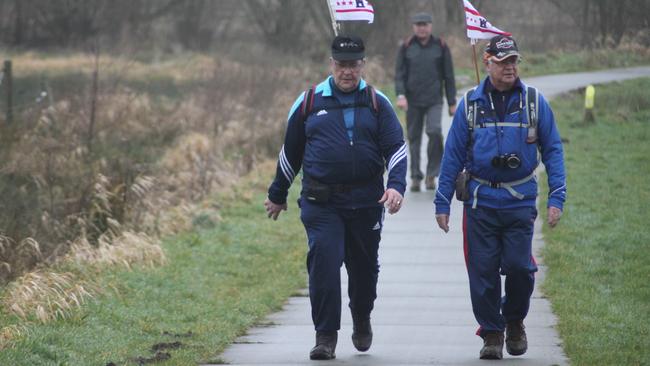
x=348 y=44
x=505 y=43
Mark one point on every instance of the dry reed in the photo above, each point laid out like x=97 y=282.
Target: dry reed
x=45 y=296
x=11 y=333
x=126 y=249
x=108 y=196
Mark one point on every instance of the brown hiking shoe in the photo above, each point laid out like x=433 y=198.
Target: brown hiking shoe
x=325 y=346
x=516 y=341
x=415 y=185
x=492 y=346
x=361 y=334
x=430 y=183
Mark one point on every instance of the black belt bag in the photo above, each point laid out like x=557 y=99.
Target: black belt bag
x=316 y=191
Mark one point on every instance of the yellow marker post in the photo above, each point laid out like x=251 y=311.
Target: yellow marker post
x=590 y=93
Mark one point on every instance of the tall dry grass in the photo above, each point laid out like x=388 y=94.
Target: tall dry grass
x=100 y=189
x=44 y=296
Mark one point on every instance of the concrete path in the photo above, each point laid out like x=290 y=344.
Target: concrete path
x=423 y=313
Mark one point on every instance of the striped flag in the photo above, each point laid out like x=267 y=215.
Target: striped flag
x=352 y=10
x=477 y=26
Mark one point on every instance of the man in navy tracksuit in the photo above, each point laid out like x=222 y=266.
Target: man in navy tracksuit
x=498 y=136
x=344 y=134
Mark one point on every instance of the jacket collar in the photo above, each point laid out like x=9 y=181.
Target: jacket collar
x=430 y=41
x=480 y=93
x=326 y=87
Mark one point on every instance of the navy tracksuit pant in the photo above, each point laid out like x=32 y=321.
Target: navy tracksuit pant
x=499 y=241
x=338 y=236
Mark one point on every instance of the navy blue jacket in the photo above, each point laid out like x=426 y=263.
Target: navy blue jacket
x=322 y=146
x=506 y=137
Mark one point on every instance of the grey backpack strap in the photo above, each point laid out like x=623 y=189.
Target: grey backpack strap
x=470 y=113
x=532 y=103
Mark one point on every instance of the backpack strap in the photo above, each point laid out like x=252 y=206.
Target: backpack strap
x=308 y=102
x=470 y=112
x=407 y=42
x=372 y=97
x=532 y=103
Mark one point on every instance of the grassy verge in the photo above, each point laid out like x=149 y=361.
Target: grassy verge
x=598 y=256
x=217 y=283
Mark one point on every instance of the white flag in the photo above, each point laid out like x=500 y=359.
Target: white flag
x=477 y=26
x=352 y=10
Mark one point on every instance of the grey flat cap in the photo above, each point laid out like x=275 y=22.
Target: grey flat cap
x=422 y=18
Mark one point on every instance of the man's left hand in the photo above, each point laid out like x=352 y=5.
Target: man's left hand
x=554 y=215
x=452 y=110
x=392 y=200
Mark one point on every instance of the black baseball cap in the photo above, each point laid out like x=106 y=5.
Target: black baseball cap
x=421 y=18
x=502 y=47
x=348 y=48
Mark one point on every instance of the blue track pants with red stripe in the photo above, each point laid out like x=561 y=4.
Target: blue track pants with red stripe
x=499 y=242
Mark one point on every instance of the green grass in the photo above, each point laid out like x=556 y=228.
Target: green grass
x=599 y=255
x=217 y=283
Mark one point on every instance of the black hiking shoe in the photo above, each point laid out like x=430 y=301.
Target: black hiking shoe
x=492 y=346
x=361 y=334
x=516 y=341
x=430 y=183
x=415 y=185
x=325 y=346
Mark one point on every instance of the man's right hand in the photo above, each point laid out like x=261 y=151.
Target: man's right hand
x=443 y=222
x=273 y=209
x=402 y=103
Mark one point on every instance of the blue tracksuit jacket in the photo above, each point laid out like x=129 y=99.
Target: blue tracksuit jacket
x=492 y=139
x=333 y=153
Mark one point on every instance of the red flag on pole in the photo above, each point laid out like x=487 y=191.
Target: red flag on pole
x=477 y=26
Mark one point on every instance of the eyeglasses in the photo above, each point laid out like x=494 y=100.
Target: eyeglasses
x=349 y=65
x=507 y=61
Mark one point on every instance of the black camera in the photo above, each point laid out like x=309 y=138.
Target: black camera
x=511 y=161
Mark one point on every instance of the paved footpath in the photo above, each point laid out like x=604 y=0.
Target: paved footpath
x=423 y=313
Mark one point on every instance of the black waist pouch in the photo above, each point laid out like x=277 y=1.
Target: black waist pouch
x=316 y=192
x=462 y=186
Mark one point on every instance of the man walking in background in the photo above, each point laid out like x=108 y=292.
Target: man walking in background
x=344 y=134
x=423 y=69
x=500 y=133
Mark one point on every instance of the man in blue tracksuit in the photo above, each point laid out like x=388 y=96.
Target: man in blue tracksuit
x=344 y=134
x=499 y=133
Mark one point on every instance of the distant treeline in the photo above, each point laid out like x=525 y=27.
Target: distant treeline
x=298 y=25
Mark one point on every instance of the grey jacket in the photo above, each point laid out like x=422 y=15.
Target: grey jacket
x=422 y=71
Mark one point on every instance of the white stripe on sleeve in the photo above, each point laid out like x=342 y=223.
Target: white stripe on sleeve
x=397 y=157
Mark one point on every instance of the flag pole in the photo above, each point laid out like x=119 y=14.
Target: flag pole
x=478 y=78
x=335 y=25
